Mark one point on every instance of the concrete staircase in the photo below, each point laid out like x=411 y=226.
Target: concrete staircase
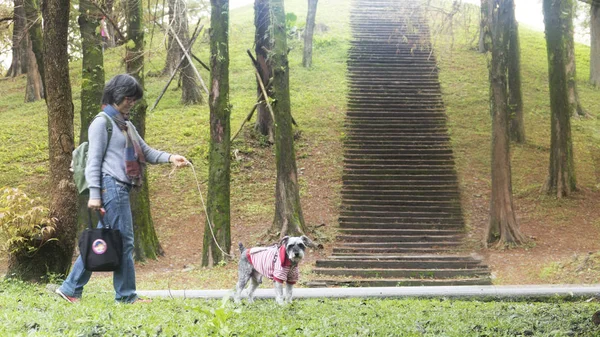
x=401 y=221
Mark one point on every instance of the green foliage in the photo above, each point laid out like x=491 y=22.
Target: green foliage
x=24 y=225
x=294 y=28
x=35 y=312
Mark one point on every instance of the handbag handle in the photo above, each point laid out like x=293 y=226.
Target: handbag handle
x=90 y=225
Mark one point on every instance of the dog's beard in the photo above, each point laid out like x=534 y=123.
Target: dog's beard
x=295 y=256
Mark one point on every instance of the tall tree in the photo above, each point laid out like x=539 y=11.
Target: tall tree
x=174 y=53
x=288 y=211
x=92 y=77
x=575 y=105
x=217 y=232
x=561 y=179
x=55 y=256
x=262 y=38
x=515 y=99
x=595 y=44
x=309 y=32
x=34 y=89
x=484 y=26
x=107 y=6
x=18 y=64
x=503 y=226
x=190 y=91
x=34 y=27
x=146 y=240
x=92 y=67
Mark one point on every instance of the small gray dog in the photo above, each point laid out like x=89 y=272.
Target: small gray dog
x=278 y=263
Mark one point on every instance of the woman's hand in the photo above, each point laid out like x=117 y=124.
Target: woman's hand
x=95 y=204
x=178 y=161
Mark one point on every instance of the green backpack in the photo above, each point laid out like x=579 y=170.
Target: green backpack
x=80 y=156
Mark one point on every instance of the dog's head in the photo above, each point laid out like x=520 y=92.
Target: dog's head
x=295 y=246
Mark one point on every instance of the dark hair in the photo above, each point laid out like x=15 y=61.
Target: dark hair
x=119 y=87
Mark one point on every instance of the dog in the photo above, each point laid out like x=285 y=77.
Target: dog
x=278 y=263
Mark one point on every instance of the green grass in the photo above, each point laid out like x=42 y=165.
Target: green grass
x=28 y=310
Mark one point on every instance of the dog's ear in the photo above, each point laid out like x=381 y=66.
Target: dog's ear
x=284 y=240
x=308 y=242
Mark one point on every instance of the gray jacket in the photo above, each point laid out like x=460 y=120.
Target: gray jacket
x=114 y=161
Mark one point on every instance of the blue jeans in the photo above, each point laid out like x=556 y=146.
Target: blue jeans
x=115 y=200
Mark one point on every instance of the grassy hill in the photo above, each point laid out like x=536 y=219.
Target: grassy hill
x=563 y=232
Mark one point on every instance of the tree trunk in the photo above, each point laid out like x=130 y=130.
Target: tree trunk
x=561 y=180
x=34 y=22
x=112 y=33
x=308 y=33
x=145 y=238
x=484 y=26
x=34 y=89
x=190 y=91
x=56 y=256
x=595 y=44
x=18 y=65
x=218 y=204
x=574 y=103
x=288 y=212
x=262 y=38
x=503 y=225
x=515 y=99
x=92 y=71
x=174 y=52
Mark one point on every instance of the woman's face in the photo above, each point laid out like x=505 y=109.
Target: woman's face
x=125 y=106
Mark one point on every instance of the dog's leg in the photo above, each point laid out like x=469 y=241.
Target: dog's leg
x=242 y=280
x=288 y=292
x=256 y=279
x=279 y=292
x=244 y=274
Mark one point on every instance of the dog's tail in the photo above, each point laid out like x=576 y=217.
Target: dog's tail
x=241 y=247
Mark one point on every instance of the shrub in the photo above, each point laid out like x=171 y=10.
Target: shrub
x=24 y=224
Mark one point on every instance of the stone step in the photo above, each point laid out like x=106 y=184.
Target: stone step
x=399 y=226
x=401 y=206
x=372 y=219
x=398 y=282
x=429 y=239
x=350 y=197
x=409 y=232
x=397 y=264
x=404 y=273
x=391 y=250
x=404 y=170
x=399 y=161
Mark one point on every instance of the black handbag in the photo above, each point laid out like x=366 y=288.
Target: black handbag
x=101 y=248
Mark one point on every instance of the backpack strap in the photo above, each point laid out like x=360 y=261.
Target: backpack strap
x=108 y=131
x=109 y=128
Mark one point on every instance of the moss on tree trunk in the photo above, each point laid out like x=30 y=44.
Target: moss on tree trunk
x=146 y=240
x=262 y=38
x=32 y=12
x=56 y=256
x=92 y=69
x=218 y=226
x=288 y=211
x=515 y=92
x=561 y=178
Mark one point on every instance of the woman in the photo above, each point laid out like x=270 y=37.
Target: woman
x=112 y=171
